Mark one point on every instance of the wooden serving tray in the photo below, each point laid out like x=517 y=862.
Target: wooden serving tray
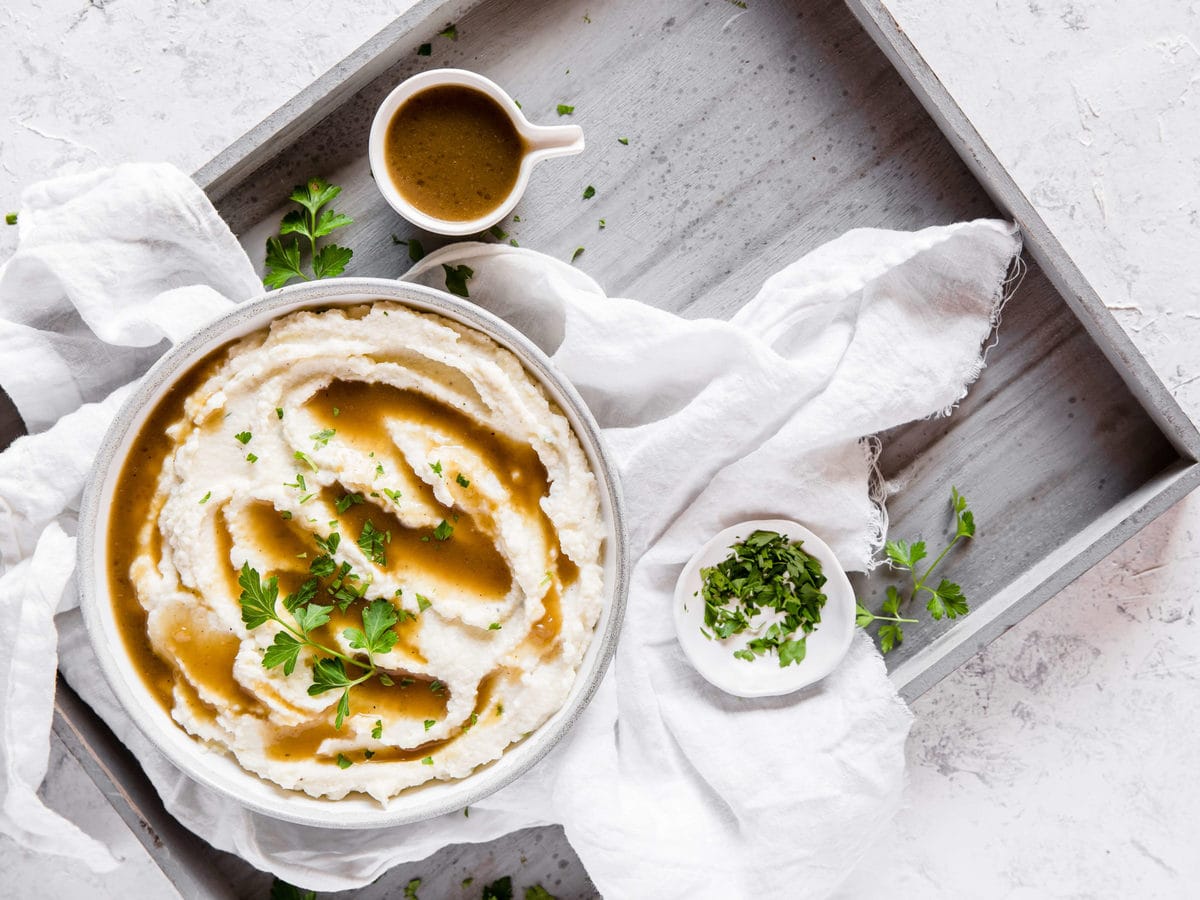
x=754 y=136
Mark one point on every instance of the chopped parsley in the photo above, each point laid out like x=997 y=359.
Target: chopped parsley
x=429 y=723
x=243 y=437
x=498 y=233
x=450 y=31
x=425 y=50
x=251 y=458
x=462 y=480
x=589 y=192
x=564 y=110
x=443 y=530
x=437 y=467
x=578 y=253
x=437 y=687
x=427 y=761
x=10 y=219
x=410 y=889
x=279 y=412
x=336 y=412
x=603 y=224
x=624 y=141
x=423 y=602
x=206 y=497
x=377 y=731
x=303 y=457
x=285 y=515
x=495 y=626
x=349 y=500
x=322 y=437
x=394 y=496
x=765 y=572
x=343 y=761
x=372 y=541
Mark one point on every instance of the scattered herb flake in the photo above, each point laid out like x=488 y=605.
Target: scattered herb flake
x=377 y=731
x=495 y=626
x=303 y=457
x=427 y=761
x=457 y=278
x=462 y=480
x=410 y=889
x=429 y=723
x=425 y=50
x=443 y=531
x=423 y=602
x=206 y=497
x=589 y=192
x=437 y=467
x=498 y=233
x=603 y=224
x=578 y=253
x=251 y=458
x=279 y=412
x=624 y=141
x=10 y=219
x=564 y=110
x=322 y=437
x=450 y=31
x=243 y=437
x=343 y=761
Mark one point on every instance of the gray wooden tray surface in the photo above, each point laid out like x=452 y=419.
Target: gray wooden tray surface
x=754 y=136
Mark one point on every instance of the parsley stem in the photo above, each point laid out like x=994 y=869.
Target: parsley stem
x=321 y=648
x=919 y=583
x=890 y=618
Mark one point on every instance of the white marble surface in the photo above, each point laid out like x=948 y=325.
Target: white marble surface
x=1057 y=763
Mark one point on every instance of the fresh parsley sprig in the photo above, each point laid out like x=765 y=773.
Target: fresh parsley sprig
x=946 y=600
x=259 y=601
x=313 y=222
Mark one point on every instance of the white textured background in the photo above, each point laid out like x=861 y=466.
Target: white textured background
x=1060 y=762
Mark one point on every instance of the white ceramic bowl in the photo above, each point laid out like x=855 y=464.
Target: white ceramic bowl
x=544 y=141
x=220 y=771
x=714 y=659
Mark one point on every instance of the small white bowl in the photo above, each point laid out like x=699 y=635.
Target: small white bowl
x=764 y=677
x=544 y=141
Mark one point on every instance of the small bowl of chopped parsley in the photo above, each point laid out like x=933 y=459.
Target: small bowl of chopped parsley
x=764 y=608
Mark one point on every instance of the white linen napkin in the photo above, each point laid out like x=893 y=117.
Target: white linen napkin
x=666 y=787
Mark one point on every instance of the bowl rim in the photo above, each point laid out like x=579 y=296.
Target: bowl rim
x=189 y=755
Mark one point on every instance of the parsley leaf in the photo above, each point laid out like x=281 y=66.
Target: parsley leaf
x=282 y=263
x=423 y=602
x=904 y=555
x=377 y=731
x=331 y=260
x=371 y=541
x=889 y=636
x=311 y=617
x=322 y=437
x=947 y=600
x=378 y=618
x=456 y=279
x=283 y=652
x=443 y=531
x=257 y=598
x=328 y=675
